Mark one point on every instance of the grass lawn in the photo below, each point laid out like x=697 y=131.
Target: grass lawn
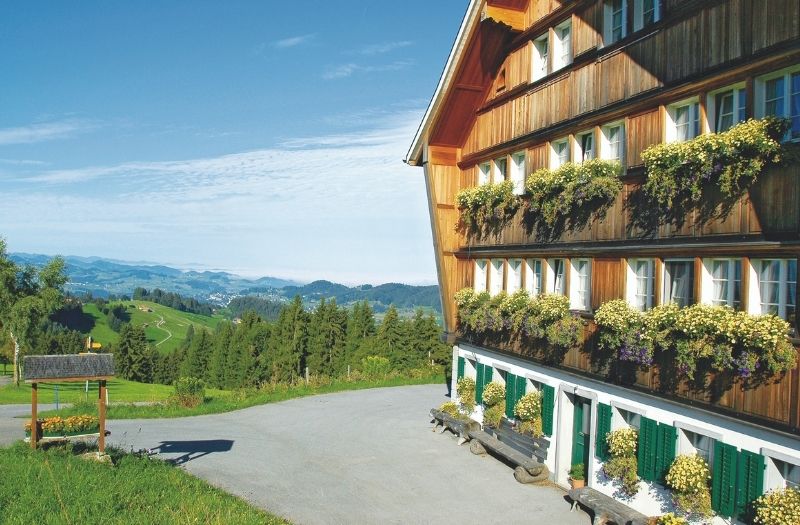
x=226 y=401
x=55 y=486
x=119 y=391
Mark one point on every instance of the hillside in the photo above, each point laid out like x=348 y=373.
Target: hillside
x=403 y=296
x=165 y=327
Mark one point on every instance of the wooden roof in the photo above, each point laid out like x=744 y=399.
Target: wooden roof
x=75 y=367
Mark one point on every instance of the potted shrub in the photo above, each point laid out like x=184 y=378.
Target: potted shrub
x=529 y=414
x=494 y=396
x=778 y=507
x=688 y=477
x=622 y=466
x=577 y=476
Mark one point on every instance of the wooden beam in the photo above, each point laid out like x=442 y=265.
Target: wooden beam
x=443 y=155
x=68 y=379
x=503 y=15
x=34 y=410
x=101 y=410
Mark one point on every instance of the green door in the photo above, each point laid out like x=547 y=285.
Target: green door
x=580 y=431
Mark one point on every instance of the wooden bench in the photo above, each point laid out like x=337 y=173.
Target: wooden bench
x=527 y=469
x=528 y=445
x=459 y=427
x=605 y=508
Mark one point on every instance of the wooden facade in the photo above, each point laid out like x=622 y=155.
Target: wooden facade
x=495 y=106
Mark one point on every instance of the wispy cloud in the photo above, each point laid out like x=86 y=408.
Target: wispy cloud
x=292 y=41
x=23 y=162
x=44 y=131
x=346 y=70
x=385 y=47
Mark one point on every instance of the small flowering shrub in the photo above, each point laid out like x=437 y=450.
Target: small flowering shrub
x=189 y=392
x=557 y=195
x=622 y=331
x=688 y=477
x=778 y=507
x=623 y=466
x=679 y=173
x=493 y=415
x=577 y=472
x=545 y=317
x=493 y=394
x=529 y=413
x=487 y=207
x=465 y=388
x=671 y=519
x=450 y=408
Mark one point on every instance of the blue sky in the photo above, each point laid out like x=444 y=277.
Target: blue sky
x=263 y=138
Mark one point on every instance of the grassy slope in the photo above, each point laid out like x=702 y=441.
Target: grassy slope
x=119 y=391
x=57 y=487
x=175 y=322
x=227 y=401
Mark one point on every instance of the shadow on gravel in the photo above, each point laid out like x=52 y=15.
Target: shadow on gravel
x=192 y=449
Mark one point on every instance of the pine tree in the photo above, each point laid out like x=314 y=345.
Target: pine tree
x=218 y=365
x=391 y=338
x=360 y=333
x=196 y=362
x=288 y=342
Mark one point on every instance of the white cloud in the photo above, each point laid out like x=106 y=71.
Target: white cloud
x=386 y=47
x=43 y=131
x=292 y=41
x=346 y=70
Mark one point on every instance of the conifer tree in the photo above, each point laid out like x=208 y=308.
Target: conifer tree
x=288 y=342
x=196 y=362
x=391 y=338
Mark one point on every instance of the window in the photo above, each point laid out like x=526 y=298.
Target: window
x=726 y=282
x=684 y=121
x=645 y=12
x=614 y=21
x=496 y=276
x=726 y=108
x=789 y=472
x=518 y=172
x=777 y=286
x=584 y=143
x=679 y=282
x=698 y=444
x=642 y=278
x=500 y=170
x=514 y=275
x=629 y=419
x=540 y=57
x=581 y=285
x=556 y=282
x=563 y=44
x=533 y=276
x=560 y=153
x=613 y=142
x=480 y=276
x=779 y=96
x=484 y=173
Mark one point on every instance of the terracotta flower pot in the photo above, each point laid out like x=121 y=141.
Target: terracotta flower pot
x=577 y=483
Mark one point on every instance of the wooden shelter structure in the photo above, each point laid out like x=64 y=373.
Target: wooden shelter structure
x=65 y=369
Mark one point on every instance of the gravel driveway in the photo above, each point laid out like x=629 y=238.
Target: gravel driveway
x=357 y=457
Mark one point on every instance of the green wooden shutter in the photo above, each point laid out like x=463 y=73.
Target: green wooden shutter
x=603 y=428
x=548 y=407
x=487 y=374
x=646 y=455
x=749 y=480
x=480 y=369
x=521 y=384
x=511 y=394
x=461 y=365
x=665 y=449
x=723 y=479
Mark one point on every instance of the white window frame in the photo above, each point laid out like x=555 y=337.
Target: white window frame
x=761 y=93
x=783 y=282
x=708 y=282
x=541 y=55
x=517 y=172
x=552 y=279
x=624 y=416
x=608 y=151
x=608 y=27
x=562 y=42
x=686 y=445
x=632 y=284
x=484 y=173
x=514 y=281
x=638 y=14
x=579 y=153
x=775 y=476
x=692 y=105
x=713 y=111
x=496 y=270
x=480 y=275
x=534 y=283
x=666 y=281
x=580 y=289
x=559 y=152
x=499 y=170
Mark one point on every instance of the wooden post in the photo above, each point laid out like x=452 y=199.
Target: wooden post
x=34 y=410
x=101 y=410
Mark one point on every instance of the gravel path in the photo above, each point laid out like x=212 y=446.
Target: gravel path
x=361 y=457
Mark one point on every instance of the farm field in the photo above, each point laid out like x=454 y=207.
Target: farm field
x=165 y=327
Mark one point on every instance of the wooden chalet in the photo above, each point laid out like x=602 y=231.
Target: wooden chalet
x=533 y=84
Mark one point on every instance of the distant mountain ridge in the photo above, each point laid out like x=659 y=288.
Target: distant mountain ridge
x=103 y=277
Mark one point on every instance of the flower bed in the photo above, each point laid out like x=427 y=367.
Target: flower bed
x=622 y=466
x=65 y=427
x=778 y=507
